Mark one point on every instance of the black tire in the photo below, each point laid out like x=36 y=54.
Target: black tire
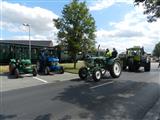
x=130 y=68
x=116 y=69
x=131 y=65
x=103 y=72
x=147 y=67
x=34 y=72
x=83 y=73
x=124 y=67
x=61 y=70
x=47 y=71
x=16 y=73
x=11 y=68
x=97 y=75
x=136 y=67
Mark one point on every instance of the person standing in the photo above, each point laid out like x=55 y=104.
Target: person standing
x=114 y=53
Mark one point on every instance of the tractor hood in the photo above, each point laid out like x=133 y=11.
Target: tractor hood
x=53 y=59
x=26 y=61
x=12 y=60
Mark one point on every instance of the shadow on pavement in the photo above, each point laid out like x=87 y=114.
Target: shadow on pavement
x=156 y=70
x=126 y=99
x=44 y=117
x=6 y=117
x=4 y=74
x=9 y=76
x=138 y=71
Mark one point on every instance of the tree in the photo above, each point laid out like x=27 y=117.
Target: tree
x=152 y=8
x=156 y=51
x=76 y=29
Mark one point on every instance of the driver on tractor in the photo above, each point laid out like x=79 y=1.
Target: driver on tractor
x=108 y=53
x=114 y=53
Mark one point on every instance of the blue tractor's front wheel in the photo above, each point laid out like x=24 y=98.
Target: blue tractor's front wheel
x=61 y=71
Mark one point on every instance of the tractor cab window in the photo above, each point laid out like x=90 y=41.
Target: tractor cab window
x=133 y=52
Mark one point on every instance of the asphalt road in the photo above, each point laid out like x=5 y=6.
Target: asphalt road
x=130 y=97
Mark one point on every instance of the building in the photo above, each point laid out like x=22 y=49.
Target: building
x=42 y=43
x=20 y=49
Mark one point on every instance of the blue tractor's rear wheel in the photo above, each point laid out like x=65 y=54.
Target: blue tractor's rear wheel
x=61 y=71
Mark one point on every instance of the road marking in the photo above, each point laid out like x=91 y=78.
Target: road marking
x=101 y=85
x=40 y=79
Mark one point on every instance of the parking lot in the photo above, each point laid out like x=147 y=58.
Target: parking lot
x=9 y=82
x=135 y=95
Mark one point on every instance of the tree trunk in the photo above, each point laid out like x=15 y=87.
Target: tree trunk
x=74 y=61
x=75 y=64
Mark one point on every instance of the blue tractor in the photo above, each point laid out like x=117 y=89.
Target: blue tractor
x=48 y=63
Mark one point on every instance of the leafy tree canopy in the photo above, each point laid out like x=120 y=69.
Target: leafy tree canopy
x=76 y=28
x=156 y=51
x=152 y=8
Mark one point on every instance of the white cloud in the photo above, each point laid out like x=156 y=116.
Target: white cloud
x=102 y=4
x=40 y=20
x=133 y=30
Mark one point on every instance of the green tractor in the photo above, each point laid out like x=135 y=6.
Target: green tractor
x=96 y=68
x=134 y=58
x=23 y=66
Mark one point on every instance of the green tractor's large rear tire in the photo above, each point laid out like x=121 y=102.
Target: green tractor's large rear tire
x=16 y=73
x=34 y=72
x=83 y=73
x=97 y=75
x=11 y=68
x=147 y=67
x=116 y=69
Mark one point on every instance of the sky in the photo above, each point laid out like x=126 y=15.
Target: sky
x=119 y=23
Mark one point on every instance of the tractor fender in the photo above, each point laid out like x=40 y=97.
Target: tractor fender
x=112 y=60
x=12 y=61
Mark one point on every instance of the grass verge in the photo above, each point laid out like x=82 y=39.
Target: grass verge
x=68 y=67
x=4 y=69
